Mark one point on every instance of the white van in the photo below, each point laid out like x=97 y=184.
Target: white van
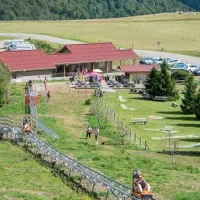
x=20 y=47
x=7 y=43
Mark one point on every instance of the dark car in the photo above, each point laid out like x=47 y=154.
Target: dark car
x=196 y=72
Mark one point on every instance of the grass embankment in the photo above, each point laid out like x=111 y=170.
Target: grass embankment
x=21 y=176
x=68 y=116
x=47 y=47
x=177 y=33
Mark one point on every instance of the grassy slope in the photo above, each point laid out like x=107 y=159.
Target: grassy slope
x=67 y=116
x=177 y=33
x=69 y=121
x=21 y=177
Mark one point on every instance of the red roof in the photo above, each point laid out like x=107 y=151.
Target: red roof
x=26 y=60
x=137 y=68
x=95 y=52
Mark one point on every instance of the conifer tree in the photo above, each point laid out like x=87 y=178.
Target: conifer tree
x=4 y=83
x=197 y=106
x=167 y=86
x=190 y=94
x=161 y=83
x=152 y=82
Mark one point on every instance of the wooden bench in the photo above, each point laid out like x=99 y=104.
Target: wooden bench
x=138 y=120
x=160 y=98
x=180 y=82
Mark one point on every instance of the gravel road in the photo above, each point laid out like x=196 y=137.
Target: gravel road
x=141 y=53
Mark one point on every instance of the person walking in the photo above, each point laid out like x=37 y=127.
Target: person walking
x=88 y=132
x=96 y=132
x=48 y=96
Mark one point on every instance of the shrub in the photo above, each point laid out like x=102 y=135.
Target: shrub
x=88 y=102
x=180 y=75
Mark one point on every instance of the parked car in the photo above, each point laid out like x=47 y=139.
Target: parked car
x=196 y=72
x=180 y=65
x=191 y=68
x=158 y=61
x=8 y=43
x=19 y=47
x=147 y=60
x=174 y=61
x=168 y=60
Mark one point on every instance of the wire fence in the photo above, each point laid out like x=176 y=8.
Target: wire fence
x=123 y=130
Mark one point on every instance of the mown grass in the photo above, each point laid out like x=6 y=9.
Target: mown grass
x=70 y=122
x=184 y=124
x=16 y=98
x=5 y=38
x=22 y=177
x=177 y=33
x=68 y=116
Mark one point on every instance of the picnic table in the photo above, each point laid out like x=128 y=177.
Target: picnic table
x=160 y=98
x=138 y=120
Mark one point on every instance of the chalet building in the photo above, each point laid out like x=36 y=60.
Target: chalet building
x=137 y=73
x=26 y=65
x=79 y=58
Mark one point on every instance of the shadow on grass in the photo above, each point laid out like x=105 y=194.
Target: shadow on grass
x=138 y=98
x=182 y=153
x=189 y=125
x=182 y=118
x=196 y=140
x=67 y=178
x=171 y=112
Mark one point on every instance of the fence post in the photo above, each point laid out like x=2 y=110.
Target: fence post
x=146 y=145
x=135 y=137
x=140 y=141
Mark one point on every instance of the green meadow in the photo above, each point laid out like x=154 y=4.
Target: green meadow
x=177 y=32
x=68 y=116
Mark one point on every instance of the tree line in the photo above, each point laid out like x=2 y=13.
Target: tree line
x=89 y=9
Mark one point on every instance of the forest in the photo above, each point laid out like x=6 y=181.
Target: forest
x=89 y=9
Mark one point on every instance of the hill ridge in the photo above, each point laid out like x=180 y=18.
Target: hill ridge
x=89 y=9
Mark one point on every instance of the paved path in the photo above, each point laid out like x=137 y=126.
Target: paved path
x=141 y=53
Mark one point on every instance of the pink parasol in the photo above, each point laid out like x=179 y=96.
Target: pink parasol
x=93 y=74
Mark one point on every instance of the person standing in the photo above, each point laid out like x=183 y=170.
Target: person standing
x=48 y=96
x=88 y=132
x=96 y=132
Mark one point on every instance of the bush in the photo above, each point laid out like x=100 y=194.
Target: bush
x=88 y=102
x=180 y=75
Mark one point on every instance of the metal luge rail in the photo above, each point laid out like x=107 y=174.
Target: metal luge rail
x=42 y=127
x=69 y=165
x=117 y=189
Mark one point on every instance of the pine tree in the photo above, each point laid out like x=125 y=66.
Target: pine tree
x=190 y=94
x=161 y=83
x=197 y=106
x=167 y=86
x=4 y=83
x=152 y=82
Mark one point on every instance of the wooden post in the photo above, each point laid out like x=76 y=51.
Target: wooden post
x=140 y=141
x=145 y=145
x=135 y=137
x=64 y=71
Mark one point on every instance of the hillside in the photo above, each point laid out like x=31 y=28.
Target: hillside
x=89 y=9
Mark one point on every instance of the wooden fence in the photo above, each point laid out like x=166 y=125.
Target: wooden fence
x=123 y=130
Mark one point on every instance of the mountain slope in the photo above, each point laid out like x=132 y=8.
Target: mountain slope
x=86 y=9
